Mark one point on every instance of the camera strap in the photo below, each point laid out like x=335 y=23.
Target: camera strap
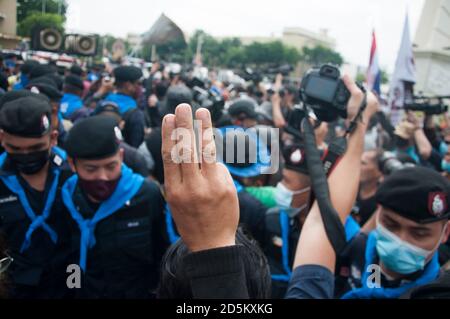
x=358 y=117
x=332 y=223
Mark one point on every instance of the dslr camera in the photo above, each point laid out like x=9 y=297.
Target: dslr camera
x=210 y=100
x=323 y=90
x=428 y=105
x=388 y=163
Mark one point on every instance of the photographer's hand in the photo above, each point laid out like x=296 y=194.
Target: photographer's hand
x=343 y=185
x=203 y=199
x=423 y=144
x=106 y=87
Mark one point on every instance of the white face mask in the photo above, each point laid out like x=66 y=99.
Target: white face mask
x=284 y=196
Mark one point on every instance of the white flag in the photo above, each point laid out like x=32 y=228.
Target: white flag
x=404 y=77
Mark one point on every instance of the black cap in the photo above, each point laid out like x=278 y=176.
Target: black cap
x=96 y=137
x=245 y=106
x=41 y=70
x=46 y=86
x=107 y=106
x=74 y=81
x=26 y=117
x=59 y=81
x=127 y=74
x=76 y=70
x=28 y=66
x=419 y=194
x=14 y=95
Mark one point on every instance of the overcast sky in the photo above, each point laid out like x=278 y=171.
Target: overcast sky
x=349 y=21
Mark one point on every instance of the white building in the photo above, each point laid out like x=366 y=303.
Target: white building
x=432 y=48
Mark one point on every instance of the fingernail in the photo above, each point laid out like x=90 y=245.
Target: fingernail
x=183 y=110
x=202 y=114
x=170 y=120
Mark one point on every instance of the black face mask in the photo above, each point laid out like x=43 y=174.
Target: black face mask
x=99 y=190
x=30 y=163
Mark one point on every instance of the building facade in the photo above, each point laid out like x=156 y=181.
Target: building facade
x=8 y=24
x=432 y=49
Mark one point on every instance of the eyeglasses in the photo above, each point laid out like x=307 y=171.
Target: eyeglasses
x=5 y=263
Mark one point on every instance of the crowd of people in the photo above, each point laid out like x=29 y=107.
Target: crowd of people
x=89 y=177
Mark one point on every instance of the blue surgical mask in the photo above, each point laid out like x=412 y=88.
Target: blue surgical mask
x=284 y=196
x=443 y=148
x=398 y=255
x=445 y=166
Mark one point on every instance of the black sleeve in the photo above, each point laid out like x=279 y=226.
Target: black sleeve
x=217 y=273
x=431 y=135
x=252 y=215
x=311 y=282
x=154 y=115
x=435 y=160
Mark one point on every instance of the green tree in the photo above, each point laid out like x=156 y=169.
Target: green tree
x=26 y=7
x=39 y=20
x=319 y=55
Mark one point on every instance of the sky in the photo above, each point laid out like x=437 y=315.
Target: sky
x=350 y=22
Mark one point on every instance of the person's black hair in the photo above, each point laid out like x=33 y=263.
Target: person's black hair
x=175 y=285
x=161 y=90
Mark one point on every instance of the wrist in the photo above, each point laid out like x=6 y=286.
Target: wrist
x=202 y=244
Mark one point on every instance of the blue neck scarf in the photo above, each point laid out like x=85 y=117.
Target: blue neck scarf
x=37 y=221
x=22 y=83
x=129 y=185
x=284 y=223
x=124 y=102
x=69 y=104
x=430 y=273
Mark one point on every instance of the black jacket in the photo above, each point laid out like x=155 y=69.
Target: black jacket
x=125 y=261
x=40 y=271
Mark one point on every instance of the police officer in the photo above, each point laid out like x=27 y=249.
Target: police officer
x=71 y=99
x=131 y=157
x=31 y=211
x=47 y=86
x=127 y=85
x=412 y=223
x=116 y=215
x=25 y=71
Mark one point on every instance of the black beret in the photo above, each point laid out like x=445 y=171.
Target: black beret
x=243 y=105
x=28 y=66
x=14 y=95
x=96 y=137
x=57 y=79
x=46 y=86
x=127 y=74
x=26 y=117
x=74 y=81
x=76 y=70
x=41 y=70
x=295 y=158
x=419 y=194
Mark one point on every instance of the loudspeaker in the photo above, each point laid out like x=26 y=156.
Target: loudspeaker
x=46 y=40
x=78 y=44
